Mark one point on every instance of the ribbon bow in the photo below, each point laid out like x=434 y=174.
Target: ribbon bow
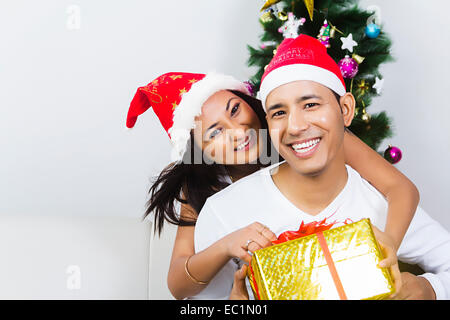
x=304 y=230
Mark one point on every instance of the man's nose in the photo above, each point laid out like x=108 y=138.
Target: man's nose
x=296 y=123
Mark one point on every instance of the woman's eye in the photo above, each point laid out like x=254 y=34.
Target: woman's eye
x=215 y=133
x=235 y=108
x=310 y=105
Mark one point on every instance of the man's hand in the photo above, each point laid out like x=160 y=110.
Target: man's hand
x=239 y=290
x=415 y=288
x=390 y=258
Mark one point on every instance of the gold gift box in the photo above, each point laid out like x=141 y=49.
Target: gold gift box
x=301 y=269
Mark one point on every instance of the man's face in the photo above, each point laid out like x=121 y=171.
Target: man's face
x=306 y=124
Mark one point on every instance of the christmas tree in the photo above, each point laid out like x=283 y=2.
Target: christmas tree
x=352 y=39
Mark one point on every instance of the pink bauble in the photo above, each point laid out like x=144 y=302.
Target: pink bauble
x=250 y=88
x=349 y=67
x=393 y=154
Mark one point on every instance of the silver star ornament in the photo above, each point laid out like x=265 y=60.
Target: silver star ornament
x=378 y=85
x=348 y=43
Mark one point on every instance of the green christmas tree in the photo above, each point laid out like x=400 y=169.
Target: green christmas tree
x=334 y=19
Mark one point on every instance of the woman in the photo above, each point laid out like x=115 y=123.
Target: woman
x=215 y=127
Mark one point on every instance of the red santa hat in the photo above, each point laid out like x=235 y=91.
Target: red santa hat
x=177 y=98
x=301 y=58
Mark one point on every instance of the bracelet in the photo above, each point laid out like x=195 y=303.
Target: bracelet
x=190 y=276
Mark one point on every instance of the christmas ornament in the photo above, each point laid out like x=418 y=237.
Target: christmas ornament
x=378 y=85
x=274 y=9
x=267 y=16
x=324 y=34
x=310 y=7
x=269 y=3
x=358 y=58
x=349 y=67
x=290 y=28
x=250 y=88
x=282 y=15
x=393 y=154
x=348 y=43
x=365 y=116
x=363 y=87
x=372 y=30
x=332 y=31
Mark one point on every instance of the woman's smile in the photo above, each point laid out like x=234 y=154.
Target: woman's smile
x=248 y=143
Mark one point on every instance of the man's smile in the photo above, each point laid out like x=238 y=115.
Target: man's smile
x=305 y=148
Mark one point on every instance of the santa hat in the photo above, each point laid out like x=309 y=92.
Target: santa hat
x=301 y=58
x=177 y=98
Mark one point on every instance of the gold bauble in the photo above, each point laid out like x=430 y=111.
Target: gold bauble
x=365 y=116
x=282 y=16
x=266 y=17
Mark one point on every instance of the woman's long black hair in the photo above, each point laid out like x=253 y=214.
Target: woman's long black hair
x=190 y=183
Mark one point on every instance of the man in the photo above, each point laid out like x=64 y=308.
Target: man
x=307 y=111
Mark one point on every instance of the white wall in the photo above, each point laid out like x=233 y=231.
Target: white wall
x=160 y=253
x=415 y=95
x=65 y=152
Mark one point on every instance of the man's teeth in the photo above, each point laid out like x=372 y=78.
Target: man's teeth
x=305 y=146
x=243 y=145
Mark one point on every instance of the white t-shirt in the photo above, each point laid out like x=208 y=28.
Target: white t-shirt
x=257 y=198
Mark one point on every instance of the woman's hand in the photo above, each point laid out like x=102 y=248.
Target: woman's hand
x=390 y=261
x=250 y=238
x=239 y=290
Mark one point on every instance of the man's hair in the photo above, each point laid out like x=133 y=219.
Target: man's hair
x=338 y=97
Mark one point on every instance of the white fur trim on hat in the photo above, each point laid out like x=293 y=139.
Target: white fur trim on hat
x=191 y=106
x=295 y=72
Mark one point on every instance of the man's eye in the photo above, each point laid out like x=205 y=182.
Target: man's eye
x=277 y=114
x=310 y=105
x=235 y=108
x=215 y=133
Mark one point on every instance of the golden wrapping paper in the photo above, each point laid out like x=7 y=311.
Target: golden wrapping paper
x=298 y=269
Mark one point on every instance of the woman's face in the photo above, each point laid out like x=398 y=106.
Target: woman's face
x=228 y=130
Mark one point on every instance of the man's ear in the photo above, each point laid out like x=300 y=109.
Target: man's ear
x=348 y=108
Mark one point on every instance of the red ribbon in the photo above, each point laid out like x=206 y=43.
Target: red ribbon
x=304 y=230
x=255 y=285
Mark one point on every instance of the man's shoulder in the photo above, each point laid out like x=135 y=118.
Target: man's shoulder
x=362 y=185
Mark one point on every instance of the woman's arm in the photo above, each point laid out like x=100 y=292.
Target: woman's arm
x=179 y=283
x=204 y=265
x=401 y=194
